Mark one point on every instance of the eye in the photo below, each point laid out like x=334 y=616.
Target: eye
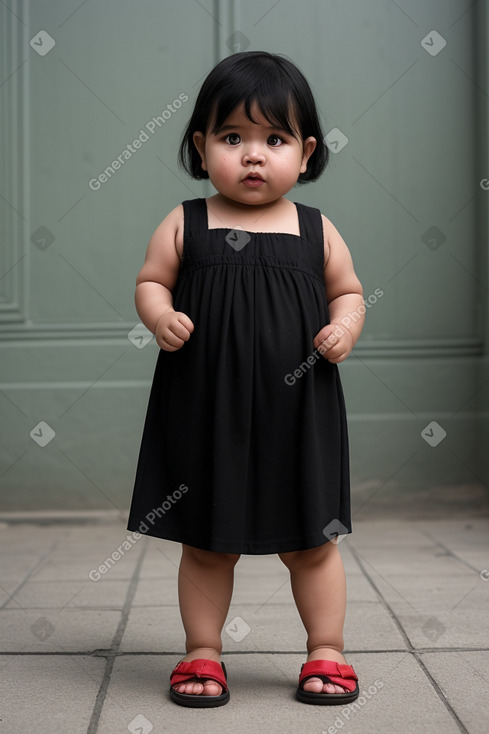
x=232 y=139
x=275 y=141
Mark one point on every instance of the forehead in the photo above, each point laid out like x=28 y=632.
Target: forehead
x=239 y=119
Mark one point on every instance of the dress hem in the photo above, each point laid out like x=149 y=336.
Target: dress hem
x=249 y=549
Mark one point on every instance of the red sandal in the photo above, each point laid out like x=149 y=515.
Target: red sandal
x=192 y=671
x=329 y=672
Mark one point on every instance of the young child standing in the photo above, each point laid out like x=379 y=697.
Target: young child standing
x=245 y=445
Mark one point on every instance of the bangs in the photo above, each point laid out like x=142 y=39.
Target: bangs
x=272 y=98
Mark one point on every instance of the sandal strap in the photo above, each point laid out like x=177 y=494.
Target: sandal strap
x=337 y=673
x=199 y=668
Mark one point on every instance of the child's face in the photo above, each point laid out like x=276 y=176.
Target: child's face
x=252 y=163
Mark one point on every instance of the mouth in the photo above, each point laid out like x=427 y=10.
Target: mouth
x=253 y=179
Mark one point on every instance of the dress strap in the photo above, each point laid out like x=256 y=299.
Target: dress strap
x=310 y=223
x=194 y=217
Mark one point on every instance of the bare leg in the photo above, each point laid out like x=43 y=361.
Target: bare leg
x=205 y=587
x=318 y=584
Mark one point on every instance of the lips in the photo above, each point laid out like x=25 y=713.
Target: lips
x=254 y=177
x=253 y=180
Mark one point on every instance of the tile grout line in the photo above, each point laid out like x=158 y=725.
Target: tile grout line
x=440 y=693
x=114 y=648
x=29 y=574
x=411 y=650
x=170 y=653
x=448 y=551
x=387 y=606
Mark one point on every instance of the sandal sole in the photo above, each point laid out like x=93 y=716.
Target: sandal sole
x=194 y=700
x=326 y=699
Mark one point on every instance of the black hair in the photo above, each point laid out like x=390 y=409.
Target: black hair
x=281 y=92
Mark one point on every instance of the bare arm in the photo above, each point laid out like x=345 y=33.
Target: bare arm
x=155 y=282
x=345 y=299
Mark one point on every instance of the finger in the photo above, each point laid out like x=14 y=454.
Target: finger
x=331 y=342
x=164 y=343
x=322 y=335
x=336 y=358
x=184 y=319
x=328 y=336
x=178 y=330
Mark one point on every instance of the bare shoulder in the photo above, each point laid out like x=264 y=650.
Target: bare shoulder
x=170 y=231
x=333 y=241
x=339 y=271
x=326 y=225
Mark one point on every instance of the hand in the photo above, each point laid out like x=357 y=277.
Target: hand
x=173 y=329
x=334 y=342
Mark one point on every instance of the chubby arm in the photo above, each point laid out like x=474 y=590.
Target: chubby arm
x=345 y=299
x=154 y=285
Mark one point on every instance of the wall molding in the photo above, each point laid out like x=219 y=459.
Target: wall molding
x=62 y=334
x=14 y=174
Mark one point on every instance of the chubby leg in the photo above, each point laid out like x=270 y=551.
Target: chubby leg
x=318 y=584
x=205 y=587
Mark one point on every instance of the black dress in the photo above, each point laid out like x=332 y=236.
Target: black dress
x=245 y=444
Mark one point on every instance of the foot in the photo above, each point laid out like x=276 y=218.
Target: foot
x=205 y=687
x=316 y=685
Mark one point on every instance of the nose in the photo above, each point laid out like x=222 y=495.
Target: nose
x=254 y=155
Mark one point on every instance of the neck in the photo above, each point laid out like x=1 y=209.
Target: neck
x=232 y=204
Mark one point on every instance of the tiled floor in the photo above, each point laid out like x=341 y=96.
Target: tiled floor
x=83 y=655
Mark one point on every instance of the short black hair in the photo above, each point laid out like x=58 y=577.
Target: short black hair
x=279 y=89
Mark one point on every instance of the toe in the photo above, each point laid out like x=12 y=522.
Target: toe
x=329 y=688
x=207 y=688
x=190 y=688
x=211 y=688
x=332 y=688
x=314 y=685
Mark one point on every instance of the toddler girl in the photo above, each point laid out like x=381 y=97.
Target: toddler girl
x=245 y=445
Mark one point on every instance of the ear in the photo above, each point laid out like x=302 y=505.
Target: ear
x=308 y=148
x=199 y=142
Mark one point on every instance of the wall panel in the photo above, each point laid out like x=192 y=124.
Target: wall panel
x=404 y=192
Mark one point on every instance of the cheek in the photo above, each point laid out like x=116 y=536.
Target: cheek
x=291 y=164
x=223 y=165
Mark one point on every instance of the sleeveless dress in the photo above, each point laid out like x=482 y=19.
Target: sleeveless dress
x=245 y=443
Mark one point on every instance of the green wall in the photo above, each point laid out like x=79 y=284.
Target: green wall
x=404 y=192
